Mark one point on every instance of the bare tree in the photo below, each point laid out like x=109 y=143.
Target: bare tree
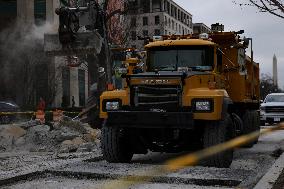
x=267 y=86
x=274 y=7
x=116 y=25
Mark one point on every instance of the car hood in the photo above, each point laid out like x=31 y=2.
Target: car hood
x=267 y=104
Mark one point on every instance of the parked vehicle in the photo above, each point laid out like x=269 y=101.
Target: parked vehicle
x=272 y=109
x=7 y=107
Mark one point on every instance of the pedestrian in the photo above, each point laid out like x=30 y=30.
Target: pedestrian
x=73 y=102
x=41 y=104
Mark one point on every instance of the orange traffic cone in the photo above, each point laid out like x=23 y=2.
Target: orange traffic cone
x=40 y=115
x=57 y=115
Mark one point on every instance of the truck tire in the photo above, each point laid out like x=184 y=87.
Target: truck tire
x=216 y=133
x=251 y=123
x=115 y=147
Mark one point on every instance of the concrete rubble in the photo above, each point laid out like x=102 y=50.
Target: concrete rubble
x=63 y=137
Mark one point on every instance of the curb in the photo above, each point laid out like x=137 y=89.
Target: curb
x=268 y=180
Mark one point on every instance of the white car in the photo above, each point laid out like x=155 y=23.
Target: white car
x=272 y=109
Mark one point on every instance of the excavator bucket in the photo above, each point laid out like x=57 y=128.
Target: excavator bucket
x=84 y=43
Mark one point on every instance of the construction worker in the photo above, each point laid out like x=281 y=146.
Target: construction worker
x=41 y=104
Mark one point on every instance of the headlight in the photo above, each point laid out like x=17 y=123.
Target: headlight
x=202 y=105
x=112 y=106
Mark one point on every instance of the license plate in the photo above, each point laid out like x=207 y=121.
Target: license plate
x=276 y=119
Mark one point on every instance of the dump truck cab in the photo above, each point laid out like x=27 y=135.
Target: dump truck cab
x=197 y=91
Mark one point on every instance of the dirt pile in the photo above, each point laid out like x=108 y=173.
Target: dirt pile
x=63 y=137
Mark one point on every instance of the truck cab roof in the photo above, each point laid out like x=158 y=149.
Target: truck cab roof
x=180 y=42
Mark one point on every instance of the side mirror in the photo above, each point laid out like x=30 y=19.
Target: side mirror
x=261 y=101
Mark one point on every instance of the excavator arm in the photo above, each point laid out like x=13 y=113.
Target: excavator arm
x=80 y=31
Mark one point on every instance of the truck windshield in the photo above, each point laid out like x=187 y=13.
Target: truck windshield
x=274 y=98
x=198 y=58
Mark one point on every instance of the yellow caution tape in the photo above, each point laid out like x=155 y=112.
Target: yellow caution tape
x=14 y=113
x=188 y=160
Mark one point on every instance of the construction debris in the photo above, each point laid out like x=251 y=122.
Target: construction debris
x=62 y=137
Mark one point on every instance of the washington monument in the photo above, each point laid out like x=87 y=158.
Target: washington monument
x=275 y=74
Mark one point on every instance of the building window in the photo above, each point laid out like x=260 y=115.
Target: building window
x=145 y=21
x=166 y=21
x=169 y=22
x=157 y=20
x=133 y=35
x=145 y=33
x=145 y=6
x=157 y=32
x=173 y=25
x=39 y=11
x=81 y=82
x=8 y=6
x=133 y=22
x=166 y=32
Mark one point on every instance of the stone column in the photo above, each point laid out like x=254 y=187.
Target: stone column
x=151 y=6
x=25 y=12
x=74 y=86
x=139 y=8
x=51 y=16
x=53 y=19
x=162 y=5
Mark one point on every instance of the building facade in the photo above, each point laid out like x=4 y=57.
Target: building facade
x=148 y=18
x=199 y=28
x=52 y=78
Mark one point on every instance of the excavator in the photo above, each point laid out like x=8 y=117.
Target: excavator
x=82 y=31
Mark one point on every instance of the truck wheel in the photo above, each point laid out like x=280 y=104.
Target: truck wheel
x=115 y=147
x=251 y=124
x=216 y=133
x=262 y=123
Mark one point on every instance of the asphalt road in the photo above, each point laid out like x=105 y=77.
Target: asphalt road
x=91 y=171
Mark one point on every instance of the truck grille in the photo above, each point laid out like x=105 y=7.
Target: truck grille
x=276 y=109
x=156 y=97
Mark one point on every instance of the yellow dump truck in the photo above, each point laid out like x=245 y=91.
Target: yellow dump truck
x=197 y=91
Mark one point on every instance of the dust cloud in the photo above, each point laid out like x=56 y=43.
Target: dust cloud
x=21 y=49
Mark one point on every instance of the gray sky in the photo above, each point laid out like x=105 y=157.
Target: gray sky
x=266 y=30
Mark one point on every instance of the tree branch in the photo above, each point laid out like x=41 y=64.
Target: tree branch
x=269 y=6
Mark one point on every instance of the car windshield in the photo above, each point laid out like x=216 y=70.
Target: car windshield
x=198 y=58
x=274 y=98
